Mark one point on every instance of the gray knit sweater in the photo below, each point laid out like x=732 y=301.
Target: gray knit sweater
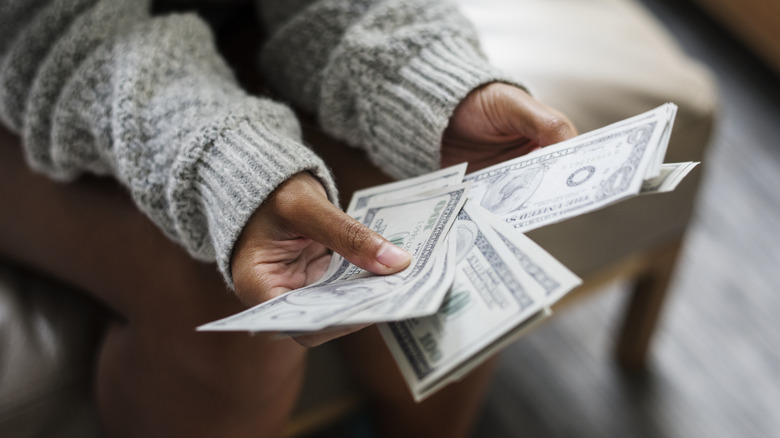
x=101 y=86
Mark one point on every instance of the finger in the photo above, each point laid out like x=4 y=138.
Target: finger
x=307 y=212
x=323 y=222
x=529 y=117
x=553 y=128
x=547 y=125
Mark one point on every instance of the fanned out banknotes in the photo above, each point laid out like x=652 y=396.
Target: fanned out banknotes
x=476 y=282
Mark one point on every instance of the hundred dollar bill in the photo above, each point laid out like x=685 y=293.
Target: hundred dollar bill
x=554 y=278
x=492 y=301
x=575 y=176
x=422 y=391
x=419 y=225
x=422 y=299
x=402 y=189
x=670 y=176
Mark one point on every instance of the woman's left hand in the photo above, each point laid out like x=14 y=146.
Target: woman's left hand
x=497 y=122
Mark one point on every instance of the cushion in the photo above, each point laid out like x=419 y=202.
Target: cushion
x=48 y=336
x=600 y=61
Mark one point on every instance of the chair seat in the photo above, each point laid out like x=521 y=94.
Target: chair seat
x=48 y=336
x=597 y=61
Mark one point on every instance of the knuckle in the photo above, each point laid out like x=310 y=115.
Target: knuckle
x=554 y=123
x=356 y=237
x=558 y=126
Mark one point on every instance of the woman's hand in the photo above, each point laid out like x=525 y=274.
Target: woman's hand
x=497 y=122
x=284 y=246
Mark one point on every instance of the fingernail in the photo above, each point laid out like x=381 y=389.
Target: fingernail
x=392 y=256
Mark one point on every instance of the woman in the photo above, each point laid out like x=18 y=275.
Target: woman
x=103 y=87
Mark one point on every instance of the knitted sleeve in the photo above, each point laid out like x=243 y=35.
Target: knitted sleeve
x=384 y=75
x=100 y=86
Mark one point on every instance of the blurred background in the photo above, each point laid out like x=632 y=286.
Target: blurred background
x=714 y=366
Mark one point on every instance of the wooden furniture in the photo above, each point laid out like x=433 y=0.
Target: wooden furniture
x=754 y=22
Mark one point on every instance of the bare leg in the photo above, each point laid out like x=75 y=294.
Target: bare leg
x=156 y=375
x=451 y=412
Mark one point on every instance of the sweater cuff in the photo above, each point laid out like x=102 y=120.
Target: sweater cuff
x=412 y=113
x=235 y=174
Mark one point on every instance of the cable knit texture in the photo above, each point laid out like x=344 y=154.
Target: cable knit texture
x=100 y=86
x=381 y=75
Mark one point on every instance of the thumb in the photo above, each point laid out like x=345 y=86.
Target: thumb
x=326 y=224
x=519 y=112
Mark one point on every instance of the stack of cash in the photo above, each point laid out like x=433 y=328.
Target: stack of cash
x=476 y=282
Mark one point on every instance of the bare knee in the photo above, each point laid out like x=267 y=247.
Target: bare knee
x=158 y=376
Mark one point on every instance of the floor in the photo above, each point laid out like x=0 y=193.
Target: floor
x=715 y=366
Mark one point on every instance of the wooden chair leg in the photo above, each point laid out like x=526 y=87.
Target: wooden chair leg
x=644 y=307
